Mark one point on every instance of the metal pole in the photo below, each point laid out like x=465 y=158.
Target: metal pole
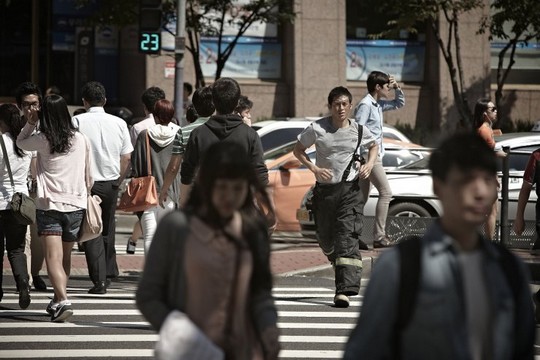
x=179 y=49
x=505 y=227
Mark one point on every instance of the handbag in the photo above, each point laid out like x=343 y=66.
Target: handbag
x=92 y=224
x=181 y=339
x=22 y=205
x=141 y=192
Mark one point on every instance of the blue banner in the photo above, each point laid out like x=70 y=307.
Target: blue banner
x=402 y=59
x=252 y=57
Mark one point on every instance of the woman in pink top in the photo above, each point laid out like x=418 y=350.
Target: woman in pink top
x=62 y=159
x=211 y=263
x=485 y=114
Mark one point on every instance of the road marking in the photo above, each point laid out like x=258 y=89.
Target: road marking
x=70 y=353
x=304 y=325
x=311 y=354
x=44 y=338
x=314 y=314
x=312 y=302
x=78 y=324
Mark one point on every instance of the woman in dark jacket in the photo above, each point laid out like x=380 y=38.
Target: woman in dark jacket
x=212 y=262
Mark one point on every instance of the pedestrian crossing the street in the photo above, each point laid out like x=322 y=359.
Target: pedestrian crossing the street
x=110 y=326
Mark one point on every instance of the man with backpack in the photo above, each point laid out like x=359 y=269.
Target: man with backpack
x=450 y=294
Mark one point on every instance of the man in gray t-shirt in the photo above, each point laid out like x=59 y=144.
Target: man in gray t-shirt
x=337 y=199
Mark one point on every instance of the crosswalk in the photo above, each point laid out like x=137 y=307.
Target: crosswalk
x=110 y=326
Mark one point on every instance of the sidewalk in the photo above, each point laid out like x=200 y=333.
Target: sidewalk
x=286 y=260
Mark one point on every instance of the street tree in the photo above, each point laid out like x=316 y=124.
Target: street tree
x=513 y=22
x=442 y=18
x=212 y=17
x=203 y=18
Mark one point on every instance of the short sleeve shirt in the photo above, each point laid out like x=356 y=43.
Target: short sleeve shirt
x=335 y=146
x=178 y=146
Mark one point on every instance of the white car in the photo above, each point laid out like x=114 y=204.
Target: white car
x=413 y=196
x=274 y=133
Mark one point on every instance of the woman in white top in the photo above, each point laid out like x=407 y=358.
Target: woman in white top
x=62 y=161
x=11 y=231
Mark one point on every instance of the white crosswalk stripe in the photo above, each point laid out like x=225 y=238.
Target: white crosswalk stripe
x=110 y=326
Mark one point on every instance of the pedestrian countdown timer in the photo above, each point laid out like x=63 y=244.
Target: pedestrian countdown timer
x=150 y=42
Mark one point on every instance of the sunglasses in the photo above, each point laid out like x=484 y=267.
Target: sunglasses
x=492 y=109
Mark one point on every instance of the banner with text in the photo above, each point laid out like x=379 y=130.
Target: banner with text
x=253 y=58
x=402 y=59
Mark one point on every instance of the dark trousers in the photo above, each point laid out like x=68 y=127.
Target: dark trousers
x=100 y=252
x=338 y=220
x=12 y=239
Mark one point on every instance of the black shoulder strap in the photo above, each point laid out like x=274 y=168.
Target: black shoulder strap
x=409 y=279
x=6 y=161
x=348 y=169
x=410 y=267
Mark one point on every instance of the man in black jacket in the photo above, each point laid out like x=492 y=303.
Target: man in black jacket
x=224 y=126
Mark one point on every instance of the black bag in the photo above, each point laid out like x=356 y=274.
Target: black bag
x=23 y=206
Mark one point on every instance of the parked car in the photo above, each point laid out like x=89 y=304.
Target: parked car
x=274 y=133
x=412 y=187
x=290 y=180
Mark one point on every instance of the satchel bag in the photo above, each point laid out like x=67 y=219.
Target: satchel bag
x=22 y=206
x=92 y=224
x=181 y=339
x=141 y=192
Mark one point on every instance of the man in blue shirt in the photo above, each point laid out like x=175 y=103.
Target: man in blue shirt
x=369 y=113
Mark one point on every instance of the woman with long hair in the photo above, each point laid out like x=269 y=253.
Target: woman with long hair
x=63 y=158
x=13 y=234
x=485 y=114
x=212 y=264
x=161 y=137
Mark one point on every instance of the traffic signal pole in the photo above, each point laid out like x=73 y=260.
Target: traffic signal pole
x=179 y=50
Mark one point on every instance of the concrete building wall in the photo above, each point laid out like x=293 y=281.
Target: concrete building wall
x=313 y=62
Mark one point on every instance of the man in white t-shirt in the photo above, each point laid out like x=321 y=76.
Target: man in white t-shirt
x=338 y=203
x=111 y=153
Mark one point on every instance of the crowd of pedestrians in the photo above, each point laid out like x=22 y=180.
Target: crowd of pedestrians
x=450 y=294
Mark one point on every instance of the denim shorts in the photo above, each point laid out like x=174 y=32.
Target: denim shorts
x=57 y=223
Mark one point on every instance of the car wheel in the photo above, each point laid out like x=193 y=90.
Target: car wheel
x=406 y=219
x=408 y=209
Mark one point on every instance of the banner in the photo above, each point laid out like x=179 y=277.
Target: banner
x=253 y=58
x=402 y=59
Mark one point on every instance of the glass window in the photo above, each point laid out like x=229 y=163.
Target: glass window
x=401 y=55
x=279 y=137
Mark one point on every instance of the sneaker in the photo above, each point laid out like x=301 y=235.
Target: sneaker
x=62 y=312
x=362 y=245
x=131 y=246
x=383 y=243
x=51 y=308
x=536 y=307
x=341 y=300
x=39 y=284
x=24 y=294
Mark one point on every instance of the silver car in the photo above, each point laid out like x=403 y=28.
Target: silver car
x=413 y=202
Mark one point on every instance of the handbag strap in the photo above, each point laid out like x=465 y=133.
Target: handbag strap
x=6 y=160
x=148 y=158
x=86 y=167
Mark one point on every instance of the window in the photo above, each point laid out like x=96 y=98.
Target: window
x=402 y=55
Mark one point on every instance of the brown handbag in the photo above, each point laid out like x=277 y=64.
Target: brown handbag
x=141 y=192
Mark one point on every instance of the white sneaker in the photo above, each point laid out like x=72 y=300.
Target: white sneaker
x=341 y=301
x=51 y=307
x=62 y=312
